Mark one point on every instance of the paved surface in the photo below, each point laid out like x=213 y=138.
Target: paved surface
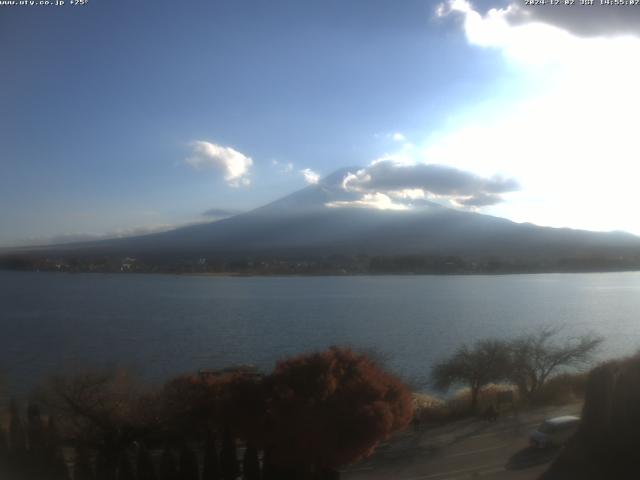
x=468 y=449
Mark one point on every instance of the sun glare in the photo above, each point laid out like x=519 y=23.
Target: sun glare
x=569 y=137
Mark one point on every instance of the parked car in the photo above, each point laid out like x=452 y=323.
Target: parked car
x=554 y=431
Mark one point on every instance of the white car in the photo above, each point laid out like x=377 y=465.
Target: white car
x=554 y=431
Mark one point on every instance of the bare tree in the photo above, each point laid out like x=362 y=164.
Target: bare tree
x=101 y=411
x=485 y=362
x=536 y=357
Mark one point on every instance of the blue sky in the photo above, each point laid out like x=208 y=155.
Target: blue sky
x=102 y=106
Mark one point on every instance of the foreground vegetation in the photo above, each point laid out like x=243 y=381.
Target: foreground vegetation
x=313 y=414
x=431 y=411
x=606 y=445
x=527 y=362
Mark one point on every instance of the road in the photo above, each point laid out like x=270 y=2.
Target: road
x=467 y=449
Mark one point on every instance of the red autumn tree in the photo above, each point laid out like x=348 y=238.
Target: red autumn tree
x=243 y=402
x=195 y=405
x=332 y=408
x=189 y=404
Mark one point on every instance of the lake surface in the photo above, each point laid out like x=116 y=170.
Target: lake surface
x=163 y=325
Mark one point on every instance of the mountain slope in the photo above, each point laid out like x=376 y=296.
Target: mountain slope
x=301 y=225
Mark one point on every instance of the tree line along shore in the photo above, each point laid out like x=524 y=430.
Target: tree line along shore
x=319 y=265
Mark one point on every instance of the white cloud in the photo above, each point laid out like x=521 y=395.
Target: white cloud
x=398 y=137
x=408 y=193
x=568 y=136
x=377 y=200
x=233 y=165
x=282 y=167
x=311 y=177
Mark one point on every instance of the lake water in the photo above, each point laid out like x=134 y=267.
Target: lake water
x=163 y=325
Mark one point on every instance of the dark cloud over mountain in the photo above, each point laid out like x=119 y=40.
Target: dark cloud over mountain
x=463 y=187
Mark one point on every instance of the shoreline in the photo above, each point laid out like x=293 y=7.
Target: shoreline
x=331 y=274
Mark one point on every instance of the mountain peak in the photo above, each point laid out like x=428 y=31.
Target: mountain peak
x=336 y=178
x=313 y=197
